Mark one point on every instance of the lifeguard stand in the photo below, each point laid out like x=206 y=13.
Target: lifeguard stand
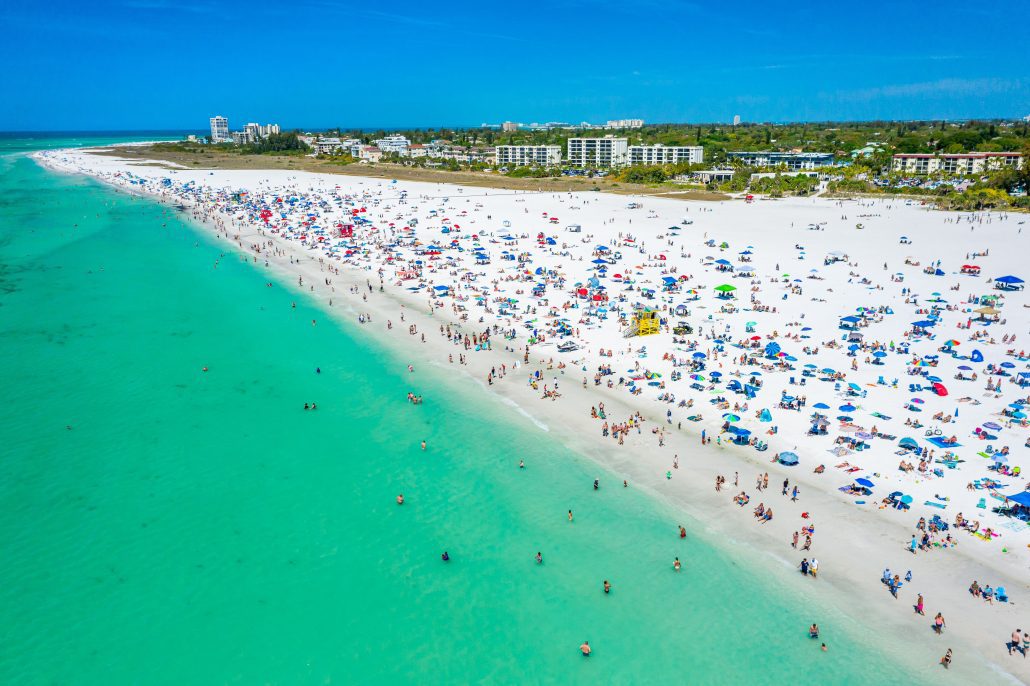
x=646 y=322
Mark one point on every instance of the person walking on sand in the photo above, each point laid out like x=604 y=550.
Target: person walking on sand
x=1016 y=641
x=939 y=624
x=919 y=604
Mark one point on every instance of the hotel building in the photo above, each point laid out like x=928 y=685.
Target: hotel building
x=666 y=154
x=793 y=161
x=956 y=163
x=521 y=155
x=597 y=153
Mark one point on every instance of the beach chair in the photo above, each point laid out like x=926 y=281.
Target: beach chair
x=982 y=504
x=1001 y=594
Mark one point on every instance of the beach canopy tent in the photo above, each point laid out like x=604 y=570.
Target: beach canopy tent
x=908 y=443
x=788 y=458
x=850 y=322
x=1009 y=283
x=1022 y=499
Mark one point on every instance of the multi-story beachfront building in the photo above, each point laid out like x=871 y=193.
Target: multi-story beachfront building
x=956 y=163
x=521 y=155
x=791 y=160
x=624 y=124
x=597 y=153
x=393 y=144
x=328 y=146
x=509 y=126
x=666 y=154
x=219 y=129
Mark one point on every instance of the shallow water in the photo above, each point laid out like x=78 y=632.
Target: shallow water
x=159 y=524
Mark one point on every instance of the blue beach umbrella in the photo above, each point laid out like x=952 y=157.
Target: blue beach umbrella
x=821 y=406
x=864 y=482
x=847 y=408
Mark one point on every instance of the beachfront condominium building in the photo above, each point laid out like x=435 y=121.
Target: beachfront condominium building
x=509 y=126
x=793 y=161
x=597 y=153
x=666 y=154
x=624 y=124
x=522 y=155
x=958 y=163
x=257 y=131
x=219 y=129
x=393 y=144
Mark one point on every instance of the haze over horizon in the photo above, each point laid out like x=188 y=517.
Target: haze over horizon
x=159 y=64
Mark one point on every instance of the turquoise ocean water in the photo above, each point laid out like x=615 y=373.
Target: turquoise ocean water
x=196 y=528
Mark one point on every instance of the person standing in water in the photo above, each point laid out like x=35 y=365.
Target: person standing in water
x=539 y=558
x=570 y=515
x=607 y=586
x=585 y=649
x=677 y=566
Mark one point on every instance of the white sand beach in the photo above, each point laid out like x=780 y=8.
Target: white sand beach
x=932 y=415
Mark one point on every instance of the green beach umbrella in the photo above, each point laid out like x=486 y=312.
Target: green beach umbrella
x=725 y=288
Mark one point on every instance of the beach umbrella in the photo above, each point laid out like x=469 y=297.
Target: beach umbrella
x=864 y=482
x=1019 y=415
x=821 y=406
x=699 y=356
x=844 y=418
x=879 y=353
x=965 y=367
x=715 y=375
x=906 y=499
x=918 y=401
x=730 y=417
x=1008 y=365
x=847 y=408
x=725 y=288
x=788 y=458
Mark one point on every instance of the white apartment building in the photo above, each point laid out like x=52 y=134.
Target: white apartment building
x=624 y=124
x=597 y=153
x=666 y=154
x=395 y=144
x=219 y=129
x=327 y=146
x=509 y=126
x=956 y=163
x=521 y=155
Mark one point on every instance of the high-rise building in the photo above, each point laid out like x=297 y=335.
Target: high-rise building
x=253 y=131
x=624 y=124
x=219 y=129
x=509 y=126
x=597 y=153
x=736 y=120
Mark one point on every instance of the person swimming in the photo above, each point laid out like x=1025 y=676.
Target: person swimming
x=539 y=558
x=445 y=557
x=597 y=484
x=400 y=498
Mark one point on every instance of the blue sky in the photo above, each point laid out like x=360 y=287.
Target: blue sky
x=157 y=64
